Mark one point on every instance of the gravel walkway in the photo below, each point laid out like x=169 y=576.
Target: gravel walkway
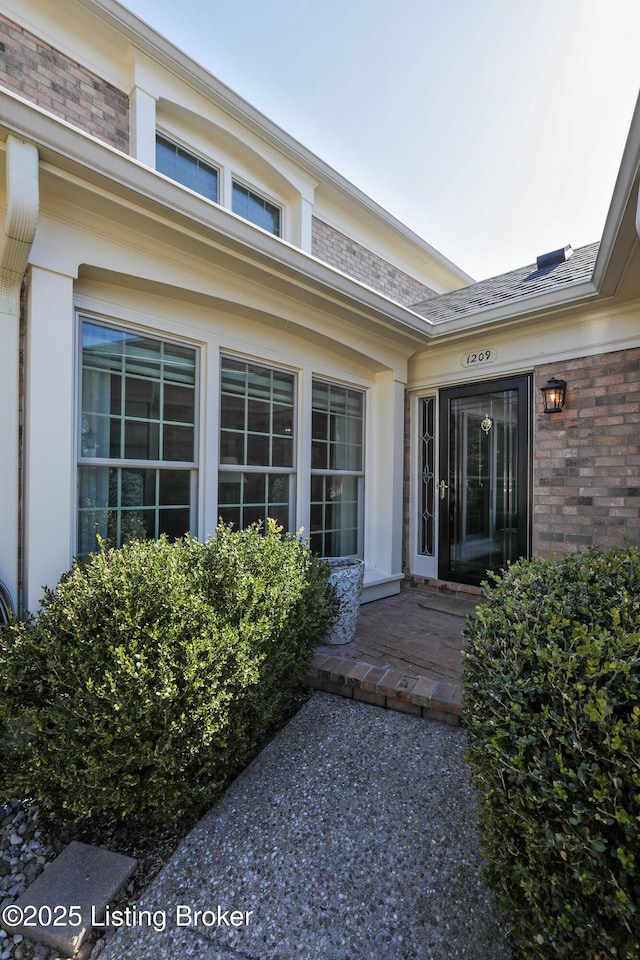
x=353 y=835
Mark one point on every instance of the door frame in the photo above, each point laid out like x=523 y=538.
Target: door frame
x=521 y=383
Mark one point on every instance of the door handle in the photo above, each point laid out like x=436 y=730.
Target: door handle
x=443 y=488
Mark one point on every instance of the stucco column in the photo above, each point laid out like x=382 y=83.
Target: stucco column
x=50 y=469
x=18 y=231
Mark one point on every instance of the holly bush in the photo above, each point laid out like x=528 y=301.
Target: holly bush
x=552 y=710
x=152 y=673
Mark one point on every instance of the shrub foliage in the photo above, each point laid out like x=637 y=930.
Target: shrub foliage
x=552 y=707
x=152 y=673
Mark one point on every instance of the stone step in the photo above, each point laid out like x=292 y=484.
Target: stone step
x=69 y=897
x=432 y=697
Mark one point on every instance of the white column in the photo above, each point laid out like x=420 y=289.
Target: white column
x=384 y=481
x=142 y=133
x=9 y=449
x=50 y=468
x=299 y=233
x=18 y=231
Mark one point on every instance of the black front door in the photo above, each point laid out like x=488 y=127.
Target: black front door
x=484 y=478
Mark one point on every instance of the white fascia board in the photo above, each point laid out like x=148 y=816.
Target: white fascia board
x=67 y=151
x=622 y=226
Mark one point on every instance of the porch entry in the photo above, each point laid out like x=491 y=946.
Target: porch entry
x=483 y=490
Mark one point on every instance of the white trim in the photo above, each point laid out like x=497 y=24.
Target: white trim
x=421 y=565
x=18 y=231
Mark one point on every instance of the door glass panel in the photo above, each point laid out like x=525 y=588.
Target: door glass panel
x=426 y=535
x=483 y=494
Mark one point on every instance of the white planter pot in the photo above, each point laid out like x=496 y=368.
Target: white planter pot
x=347 y=576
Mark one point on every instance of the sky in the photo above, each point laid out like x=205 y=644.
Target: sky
x=494 y=129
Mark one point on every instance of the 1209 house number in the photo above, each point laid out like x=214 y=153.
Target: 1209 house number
x=477 y=358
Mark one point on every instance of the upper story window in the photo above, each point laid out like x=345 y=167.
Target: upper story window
x=186 y=168
x=257 y=209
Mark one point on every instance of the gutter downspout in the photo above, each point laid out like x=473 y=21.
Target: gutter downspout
x=16 y=238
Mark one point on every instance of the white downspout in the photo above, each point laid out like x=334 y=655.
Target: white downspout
x=16 y=238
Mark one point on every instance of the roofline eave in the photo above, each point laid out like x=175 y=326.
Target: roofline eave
x=69 y=152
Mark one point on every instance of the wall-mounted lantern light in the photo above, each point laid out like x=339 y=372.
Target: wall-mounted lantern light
x=553 y=394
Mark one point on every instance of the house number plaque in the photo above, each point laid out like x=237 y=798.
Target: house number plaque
x=479 y=358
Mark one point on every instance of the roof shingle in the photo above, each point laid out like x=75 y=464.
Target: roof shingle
x=524 y=282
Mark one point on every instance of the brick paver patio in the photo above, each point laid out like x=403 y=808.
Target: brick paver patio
x=404 y=656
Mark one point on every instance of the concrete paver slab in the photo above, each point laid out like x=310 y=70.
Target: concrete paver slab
x=69 y=897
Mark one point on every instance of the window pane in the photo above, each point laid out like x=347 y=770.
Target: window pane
x=166 y=158
x=177 y=442
x=175 y=523
x=179 y=403
x=283 y=419
x=255 y=208
x=259 y=416
x=266 y=398
x=258 y=450
x=141 y=440
x=232 y=447
x=142 y=398
x=186 y=168
x=282 y=452
x=141 y=356
x=246 y=497
x=155 y=382
x=229 y=488
x=175 y=487
x=232 y=413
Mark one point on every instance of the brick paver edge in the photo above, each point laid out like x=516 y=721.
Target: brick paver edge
x=431 y=697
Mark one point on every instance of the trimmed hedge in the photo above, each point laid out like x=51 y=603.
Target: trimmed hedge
x=152 y=673
x=552 y=708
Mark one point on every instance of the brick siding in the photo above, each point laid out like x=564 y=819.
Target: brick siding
x=46 y=77
x=352 y=258
x=587 y=458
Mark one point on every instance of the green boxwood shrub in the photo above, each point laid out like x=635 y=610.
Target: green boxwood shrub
x=552 y=709
x=152 y=673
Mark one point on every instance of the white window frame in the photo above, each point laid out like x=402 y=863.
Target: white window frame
x=421 y=564
x=359 y=475
x=243 y=468
x=86 y=460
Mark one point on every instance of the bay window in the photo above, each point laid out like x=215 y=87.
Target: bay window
x=137 y=445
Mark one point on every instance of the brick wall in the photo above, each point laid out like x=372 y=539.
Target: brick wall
x=43 y=75
x=340 y=251
x=586 y=477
